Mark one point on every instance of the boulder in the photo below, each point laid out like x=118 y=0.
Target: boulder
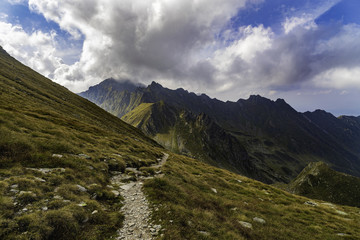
x=259 y=220
x=245 y=224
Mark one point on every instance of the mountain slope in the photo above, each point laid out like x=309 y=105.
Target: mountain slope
x=319 y=181
x=197 y=136
x=115 y=97
x=275 y=141
x=56 y=150
x=197 y=201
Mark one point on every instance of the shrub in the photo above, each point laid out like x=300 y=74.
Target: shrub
x=147 y=170
x=27 y=197
x=56 y=204
x=24 y=183
x=116 y=165
x=17 y=151
x=64 y=225
x=33 y=226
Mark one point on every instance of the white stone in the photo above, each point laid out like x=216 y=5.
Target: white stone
x=116 y=193
x=341 y=212
x=39 y=179
x=246 y=224
x=259 y=220
x=310 y=203
x=82 y=204
x=81 y=188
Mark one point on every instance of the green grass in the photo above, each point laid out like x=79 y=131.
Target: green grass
x=319 y=181
x=188 y=207
x=139 y=115
x=40 y=118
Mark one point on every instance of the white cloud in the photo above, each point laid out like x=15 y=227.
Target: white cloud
x=307 y=16
x=15 y=2
x=339 y=78
x=177 y=43
x=306 y=21
x=152 y=40
x=3 y=16
x=36 y=49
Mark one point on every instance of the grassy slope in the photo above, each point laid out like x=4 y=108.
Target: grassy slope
x=40 y=118
x=319 y=181
x=189 y=209
x=184 y=133
x=280 y=141
x=138 y=115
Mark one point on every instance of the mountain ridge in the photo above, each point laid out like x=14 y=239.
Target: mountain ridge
x=279 y=140
x=318 y=181
x=65 y=164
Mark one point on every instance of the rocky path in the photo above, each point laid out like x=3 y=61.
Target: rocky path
x=136 y=208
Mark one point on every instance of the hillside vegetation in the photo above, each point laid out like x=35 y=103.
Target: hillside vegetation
x=56 y=150
x=197 y=201
x=260 y=138
x=319 y=181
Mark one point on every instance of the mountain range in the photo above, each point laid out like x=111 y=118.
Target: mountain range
x=66 y=164
x=260 y=138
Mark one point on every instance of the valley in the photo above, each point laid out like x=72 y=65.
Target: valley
x=66 y=164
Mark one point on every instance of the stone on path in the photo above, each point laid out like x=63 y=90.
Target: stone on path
x=127 y=186
x=246 y=224
x=259 y=220
x=136 y=209
x=341 y=212
x=310 y=203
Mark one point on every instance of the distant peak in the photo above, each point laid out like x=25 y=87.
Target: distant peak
x=280 y=100
x=321 y=112
x=258 y=99
x=114 y=84
x=110 y=80
x=155 y=86
x=257 y=96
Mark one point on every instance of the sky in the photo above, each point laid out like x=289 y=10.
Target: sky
x=304 y=51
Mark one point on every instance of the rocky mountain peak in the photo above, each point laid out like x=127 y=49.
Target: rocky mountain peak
x=155 y=86
x=258 y=99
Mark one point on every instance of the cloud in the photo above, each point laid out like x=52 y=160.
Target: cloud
x=3 y=16
x=306 y=21
x=139 y=39
x=189 y=44
x=15 y=2
x=322 y=57
x=35 y=49
x=339 y=78
x=306 y=18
